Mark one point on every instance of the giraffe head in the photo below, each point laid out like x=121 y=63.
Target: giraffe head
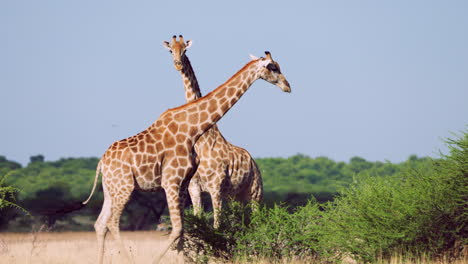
x=177 y=49
x=269 y=71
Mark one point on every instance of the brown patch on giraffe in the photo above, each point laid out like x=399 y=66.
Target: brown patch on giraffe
x=192 y=108
x=134 y=148
x=193 y=118
x=167 y=120
x=180 y=138
x=203 y=117
x=183 y=128
x=181 y=172
x=169 y=153
x=231 y=91
x=173 y=127
x=224 y=107
x=126 y=168
x=159 y=145
x=233 y=101
x=175 y=162
x=181 y=151
x=174 y=181
x=183 y=162
x=180 y=117
x=202 y=106
x=222 y=93
x=222 y=101
x=193 y=131
x=141 y=146
x=213 y=106
x=138 y=159
x=151 y=148
x=115 y=163
x=169 y=141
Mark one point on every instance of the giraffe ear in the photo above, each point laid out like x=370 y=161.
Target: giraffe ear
x=264 y=62
x=253 y=57
x=188 y=44
x=166 y=45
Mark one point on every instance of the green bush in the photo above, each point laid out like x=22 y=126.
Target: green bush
x=419 y=209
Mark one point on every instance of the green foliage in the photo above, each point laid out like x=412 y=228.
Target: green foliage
x=421 y=209
x=204 y=241
x=7 y=194
x=272 y=233
x=292 y=180
x=275 y=233
x=7 y=165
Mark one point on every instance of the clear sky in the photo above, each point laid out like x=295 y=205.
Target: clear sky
x=376 y=79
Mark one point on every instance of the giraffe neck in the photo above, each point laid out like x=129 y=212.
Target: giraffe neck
x=192 y=90
x=203 y=113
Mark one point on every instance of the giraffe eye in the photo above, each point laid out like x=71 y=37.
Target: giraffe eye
x=272 y=67
x=170 y=51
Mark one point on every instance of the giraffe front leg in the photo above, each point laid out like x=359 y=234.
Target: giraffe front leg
x=217 y=202
x=114 y=222
x=175 y=184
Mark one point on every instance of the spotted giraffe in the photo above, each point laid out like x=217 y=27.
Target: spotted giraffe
x=163 y=156
x=225 y=170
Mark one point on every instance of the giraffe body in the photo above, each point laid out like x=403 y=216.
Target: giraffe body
x=224 y=170
x=163 y=156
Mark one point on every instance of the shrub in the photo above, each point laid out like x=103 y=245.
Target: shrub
x=420 y=210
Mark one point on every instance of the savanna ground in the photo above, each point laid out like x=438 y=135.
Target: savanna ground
x=80 y=247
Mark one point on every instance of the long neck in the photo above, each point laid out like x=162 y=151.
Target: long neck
x=202 y=114
x=192 y=90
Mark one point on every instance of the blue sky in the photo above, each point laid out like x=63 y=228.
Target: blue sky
x=376 y=79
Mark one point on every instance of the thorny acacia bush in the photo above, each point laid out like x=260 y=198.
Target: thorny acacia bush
x=272 y=233
x=420 y=210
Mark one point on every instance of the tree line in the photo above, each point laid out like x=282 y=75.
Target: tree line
x=46 y=187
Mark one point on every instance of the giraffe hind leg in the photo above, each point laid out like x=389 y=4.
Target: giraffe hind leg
x=101 y=225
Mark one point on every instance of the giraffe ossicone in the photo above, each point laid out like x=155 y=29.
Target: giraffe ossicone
x=162 y=156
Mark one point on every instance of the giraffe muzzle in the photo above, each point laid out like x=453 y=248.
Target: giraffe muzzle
x=178 y=65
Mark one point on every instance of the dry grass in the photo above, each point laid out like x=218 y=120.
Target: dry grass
x=80 y=247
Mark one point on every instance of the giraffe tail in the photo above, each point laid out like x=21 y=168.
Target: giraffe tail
x=98 y=170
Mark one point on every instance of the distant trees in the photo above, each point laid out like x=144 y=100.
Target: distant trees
x=46 y=186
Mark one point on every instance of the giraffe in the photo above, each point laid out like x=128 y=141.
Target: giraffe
x=163 y=156
x=224 y=170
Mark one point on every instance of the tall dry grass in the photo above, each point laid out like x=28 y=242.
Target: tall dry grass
x=80 y=247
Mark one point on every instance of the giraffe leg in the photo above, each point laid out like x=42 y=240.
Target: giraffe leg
x=175 y=212
x=217 y=202
x=114 y=222
x=256 y=191
x=195 y=194
x=175 y=190
x=100 y=225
